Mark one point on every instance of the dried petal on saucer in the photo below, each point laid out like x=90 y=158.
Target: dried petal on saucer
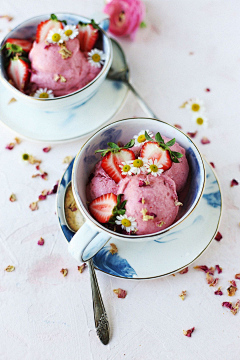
x=43 y=195
x=13 y=198
x=44 y=175
x=47 y=149
x=209 y=278
x=35 y=175
x=218 y=268
x=183 y=294
x=67 y=159
x=234 y=309
x=233 y=283
x=113 y=249
x=64 y=272
x=214 y=283
x=32 y=160
x=218 y=236
x=207 y=90
x=234 y=182
x=227 y=304
x=184 y=271
x=82 y=267
x=237 y=276
x=54 y=189
x=177 y=126
x=205 y=269
x=189 y=332
x=231 y=290
x=120 y=293
x=218 y=291
x=192 y=134
x=10 y=146
x=18 y=141
x=73 y=206
x=8 y=17
x=212 y=164
x=10 y=268
x=41 y=241
x=205 y=140
x=34 y=206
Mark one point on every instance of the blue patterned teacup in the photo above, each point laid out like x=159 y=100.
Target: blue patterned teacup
x=92 y=236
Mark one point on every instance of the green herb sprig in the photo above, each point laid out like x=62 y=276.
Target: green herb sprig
x=114 y=148
x=119 y=209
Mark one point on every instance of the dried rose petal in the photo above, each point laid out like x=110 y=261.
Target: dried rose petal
x=184 y=271
x=13 y=198
x=10 y=268
x=41 y=241
x=152 y=214
x=227 y=304
x=212 y=164
x=234 y=309
x=218 y=291
x=142 y=183
x=234 y=182
x=207 y=89
x=205 y=268
x=34 y=206
x=113 y=249
x=44 y=176
x=237 y=276
x=8 y=17
x=192 y=134
x=205 y=140
x=67 y=159
x=38 y=167
x=218 y=236
x=231 y=290
x=233 y=283
x=209 y=278
x=189 y=332
x=12 y=100
x=82 y=267
x=18 y=141
x=218 y=268
x=73 y=206
x=10 y=146
x=177 y=126
x=54 y=189
x=64 y=272
x=35 y=175
x=183 y=294
x=214 y=283
x=120 y=293
x=47 y=149
x=42 y=197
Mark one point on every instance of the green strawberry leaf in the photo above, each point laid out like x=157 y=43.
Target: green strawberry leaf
x=158 y=138
x=148 y=138
x=53 y=17
x=129 y=144
x=114 y=148
x=171 y=142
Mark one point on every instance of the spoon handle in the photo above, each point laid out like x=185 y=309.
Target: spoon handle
x=143 y=104
x=100 y=315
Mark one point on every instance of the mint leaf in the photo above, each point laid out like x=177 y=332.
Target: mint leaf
x=177 y=154
x=130 y=144
x=159 y=138
x=171 y=142
x=95 y=25
x=113 y=146
x=148 y=137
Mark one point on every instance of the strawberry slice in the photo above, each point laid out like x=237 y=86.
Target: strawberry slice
x=151 y=150
x=44 y=27
x=87 y=36
x=101 y=208
x=24 y=44
x=18 y=72
x=112 y=160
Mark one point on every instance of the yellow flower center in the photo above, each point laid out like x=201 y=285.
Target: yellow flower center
x=138 y=163
x=141 y=138
x=25 y=157
x=68 y=32
x=126 y=168
x=153 y=168
x=126 y=222
x=56 y=37
x=96 y=57
x=43 y=95
x=199 y=121
x=195 y=107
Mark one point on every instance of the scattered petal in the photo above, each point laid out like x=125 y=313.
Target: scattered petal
x=82 y=267
x=227 y=304
x=34 y=206
x=214 y=283
x=233 y=283
x=44 y=176
x=183 y=294
x=47 y=149
x=178 y=203
x=10 y=146
x=18 y=141
x=218 y=291
x=234 y=309
x=183 y=105
x=234 y=182
x=10 y=268
x=218 y=268
x=192 y=134
x=73 y=206
x=12 y=100
x=207 y=90
x=209 y=278
x=13 y=197
x=143 y=183
x=67 y=159
x=56 y=77
x=237 y=276
x=189 y=332
x=8 y=17
x=205 y=140
x=212 y=164
x=160 y=224
x=120 y=293
x=231 y=290
x=32 y=160
x=141 y=200
x=184 y=271
x=62 y=79
x=113 y=249
x=205 y=269
x=64 y=272
x=218 y=237
x=41 y=241
x=177 y=126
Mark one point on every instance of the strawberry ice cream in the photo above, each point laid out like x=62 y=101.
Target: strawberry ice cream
x=62 y=75
x=151 y=200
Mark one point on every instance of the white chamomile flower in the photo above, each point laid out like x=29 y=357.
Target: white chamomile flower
x=96 y=57
x=140 y=137
x=196 y=105
x=128 y=222
x=70 y=32
x=44 y=94
x=56 y=36
x=154 y=167
x=200 y=120
x=126 y=168
x=139 y=165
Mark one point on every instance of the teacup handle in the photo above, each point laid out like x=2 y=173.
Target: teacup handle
x=101 y=19
x=87 y=242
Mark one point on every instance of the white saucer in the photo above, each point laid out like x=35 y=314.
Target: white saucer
x=172 y=252
x=64 y=125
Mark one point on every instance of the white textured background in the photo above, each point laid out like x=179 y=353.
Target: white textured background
x=45 y=316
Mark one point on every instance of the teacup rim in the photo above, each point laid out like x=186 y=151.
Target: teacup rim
x=19 y=93
x=124 y=237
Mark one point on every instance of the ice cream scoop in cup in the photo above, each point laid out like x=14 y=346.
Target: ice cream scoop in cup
x=93 y=235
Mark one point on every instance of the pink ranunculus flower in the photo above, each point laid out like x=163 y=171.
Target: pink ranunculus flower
x=125 y=16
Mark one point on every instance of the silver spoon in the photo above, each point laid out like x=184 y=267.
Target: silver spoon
x=74 y=220
x=119 y=71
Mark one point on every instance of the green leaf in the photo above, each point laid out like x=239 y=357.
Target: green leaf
x=175 y=160
x=143 y=25
x=171 y=142
x=177 y=154
x=113 y=146
x=130 y=144
x=64 y=22
x=148 y=137
x=159 y=138
x=53 y=17
x=95 y=25
x=122 y=206
x=25 y=59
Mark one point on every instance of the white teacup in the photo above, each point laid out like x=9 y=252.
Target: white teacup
x=92 y=236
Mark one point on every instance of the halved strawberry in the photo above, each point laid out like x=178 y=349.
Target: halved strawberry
x=101 y=208
x=44 y=27
x=87 y=36
x=18 y=72
x=26 y=45
x=111 y=162
x=151 y=150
